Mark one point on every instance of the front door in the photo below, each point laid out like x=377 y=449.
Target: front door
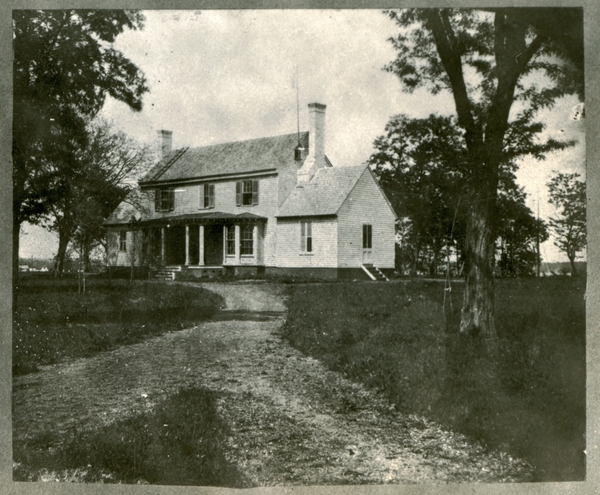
x=175 y=245
x=367 y=253
x=213 y=245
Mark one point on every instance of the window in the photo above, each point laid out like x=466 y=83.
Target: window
x=164 y=199
x=246 y=193
x=306 y=237
x=247 y=240
x=231 y=240
x=123 y=241
x=207 y=196
x=367 y=236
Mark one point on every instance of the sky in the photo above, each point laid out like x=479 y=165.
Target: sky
x=218 y=76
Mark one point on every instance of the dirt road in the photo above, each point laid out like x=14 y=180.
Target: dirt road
x=292 y=421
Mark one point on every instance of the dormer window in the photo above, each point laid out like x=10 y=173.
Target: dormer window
x=164 y=199
x=246 y=193
x=207 y=196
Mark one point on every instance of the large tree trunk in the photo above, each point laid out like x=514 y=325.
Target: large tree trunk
x=63 y=243
x=477 y=315
x=484 y=146
x=574 y=272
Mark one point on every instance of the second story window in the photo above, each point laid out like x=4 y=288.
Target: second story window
x=246 y=193
x=207 y=196
x=164 y=199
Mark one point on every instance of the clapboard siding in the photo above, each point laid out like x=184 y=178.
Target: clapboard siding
x=324 y=234
x=187 y=199
x=366 y=205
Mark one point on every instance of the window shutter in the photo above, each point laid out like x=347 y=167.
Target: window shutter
x=238 y=193
x=201 y=193
x=254 y=192
x=171 y=199
x=157 y=200
x=302 y=236
x=211 y=195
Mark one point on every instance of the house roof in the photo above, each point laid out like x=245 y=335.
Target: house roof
x=210 y=216
x=254 y=155
x=324 y=194
x=123 y=214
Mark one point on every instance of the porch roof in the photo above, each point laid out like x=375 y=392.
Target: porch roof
x=208 y=217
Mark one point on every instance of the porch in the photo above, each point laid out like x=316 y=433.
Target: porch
x=204 y=243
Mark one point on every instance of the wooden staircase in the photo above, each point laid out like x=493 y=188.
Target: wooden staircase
x=374 y=273
x=166 y=273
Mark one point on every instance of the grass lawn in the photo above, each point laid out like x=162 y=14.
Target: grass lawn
x=180 y=442
x=53 y=322
x=397 y=338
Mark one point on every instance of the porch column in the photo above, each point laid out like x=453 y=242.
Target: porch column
x=237 y=245
x=224 y=244
x=201 y=246
x=187 y=245
x=255 y=242
x=163 y=244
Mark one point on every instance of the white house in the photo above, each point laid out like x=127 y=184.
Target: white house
x=272 y=205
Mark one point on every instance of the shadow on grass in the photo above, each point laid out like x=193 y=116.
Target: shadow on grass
x=180 y=442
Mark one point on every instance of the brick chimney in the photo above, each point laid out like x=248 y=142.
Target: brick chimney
x=316 y=143
x=165 y=142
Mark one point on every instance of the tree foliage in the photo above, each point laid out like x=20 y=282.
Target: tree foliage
x=489 y=60
x=422 y=166
x=65 y=65
x=104 y=177
x=519 y=233
x=568 y=195
x=420 y=163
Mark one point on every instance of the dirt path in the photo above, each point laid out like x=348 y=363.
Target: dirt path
x=291 y=420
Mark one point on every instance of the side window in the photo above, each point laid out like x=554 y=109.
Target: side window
x=123 y=241
x=367 y=236
x=246 y=193
x=207 y=196
x=246 y=240
x=164 y=199
x=306 y=245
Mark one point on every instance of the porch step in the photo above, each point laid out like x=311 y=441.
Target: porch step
x=374 y=273
x=167 y=273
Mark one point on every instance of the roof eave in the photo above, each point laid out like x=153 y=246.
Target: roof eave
x=207 y=178
x=308 y=215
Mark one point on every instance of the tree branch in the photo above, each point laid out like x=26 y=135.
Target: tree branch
x=439 y=24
